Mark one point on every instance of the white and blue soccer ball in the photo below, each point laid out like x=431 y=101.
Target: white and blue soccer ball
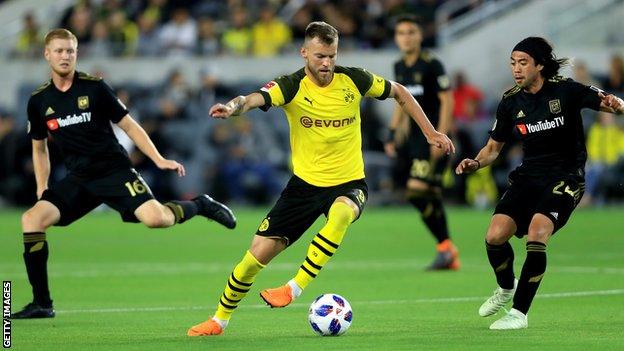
x=330 y=315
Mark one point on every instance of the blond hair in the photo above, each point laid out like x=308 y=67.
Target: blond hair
x=59 y=33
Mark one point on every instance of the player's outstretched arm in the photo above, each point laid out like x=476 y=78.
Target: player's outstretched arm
x=413 y=109
x=486 y=156
x=145 y=144
x=41 y=164
x=237 y=106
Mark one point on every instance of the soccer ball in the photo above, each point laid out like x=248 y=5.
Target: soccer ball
x=330 y=314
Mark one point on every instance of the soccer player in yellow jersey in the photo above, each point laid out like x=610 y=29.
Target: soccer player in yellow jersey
x=321 y=102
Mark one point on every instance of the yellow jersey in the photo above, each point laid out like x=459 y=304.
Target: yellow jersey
x=325 y=135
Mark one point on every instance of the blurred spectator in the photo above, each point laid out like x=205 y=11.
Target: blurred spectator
x=147 y=42
x=237 y=40
x=245 y=172
x=581 y=73
x=208 y=38
x=29 y=41
x=179 y=36
x=100 y=44
x=605 y=146
x=207 y=89
x=342 y=16
x=270 y=34
x=80 y=23
x=471 y=124
x=155 y=11
x=123 y=34
x=614 y=82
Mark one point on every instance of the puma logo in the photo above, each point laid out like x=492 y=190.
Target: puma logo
x=308 y=100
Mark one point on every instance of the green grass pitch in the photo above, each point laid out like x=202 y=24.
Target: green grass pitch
x=125 y=287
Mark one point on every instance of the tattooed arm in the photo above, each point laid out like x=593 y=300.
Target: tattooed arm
x=411 y=107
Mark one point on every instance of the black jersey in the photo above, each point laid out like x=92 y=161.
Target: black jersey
x=549 y=124
x=424 y=80
x=79 y=120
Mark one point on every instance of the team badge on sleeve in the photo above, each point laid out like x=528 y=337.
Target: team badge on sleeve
x=444 y=82
x=268 y=86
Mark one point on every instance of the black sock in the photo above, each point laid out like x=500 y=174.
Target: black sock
x=183 y=210
x=432 y=212
x=531 y=276
x=36 y=260
x=501 y=259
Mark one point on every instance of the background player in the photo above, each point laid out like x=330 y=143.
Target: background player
x=77 y=110
x=322 y=103
x=543 y=110
x=419 y=164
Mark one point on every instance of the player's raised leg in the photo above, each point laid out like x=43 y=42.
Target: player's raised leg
x=156 y=215
x=540 y=230
x=323 y=246
x=262 y=251
x=501 y=257
x=35 y=221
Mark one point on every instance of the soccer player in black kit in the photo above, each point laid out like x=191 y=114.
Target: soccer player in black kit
x=77 y=110
x=418 y=164
x=543 y=111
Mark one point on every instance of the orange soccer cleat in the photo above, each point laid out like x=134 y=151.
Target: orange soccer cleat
x=278 y=297
x=446 y=258
x=209 y=327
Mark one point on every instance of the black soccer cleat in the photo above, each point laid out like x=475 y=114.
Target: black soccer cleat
x=216 y=211
x=34 y=310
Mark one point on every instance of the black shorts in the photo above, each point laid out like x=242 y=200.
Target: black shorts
x=124 y=190
x=554 y=197
x=416 y=162
x=300 y=204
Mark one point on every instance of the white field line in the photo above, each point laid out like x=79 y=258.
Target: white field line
x=375 y=302
x=88 y=270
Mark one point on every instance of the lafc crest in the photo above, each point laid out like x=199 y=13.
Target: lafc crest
x=83 y=102
x=555 y=106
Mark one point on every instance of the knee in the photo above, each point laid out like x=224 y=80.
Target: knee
x=343 y=213
x=496 y=235
x=155 y=222
x=31 y=219
x=539 y=233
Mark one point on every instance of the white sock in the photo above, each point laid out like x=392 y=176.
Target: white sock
x=296 y=290
x=223 y=323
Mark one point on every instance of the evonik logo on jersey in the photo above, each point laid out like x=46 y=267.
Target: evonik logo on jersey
x=529 y=128
x=308 y=122
x=69 y=120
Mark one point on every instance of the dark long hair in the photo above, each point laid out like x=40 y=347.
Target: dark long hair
x=542 y=52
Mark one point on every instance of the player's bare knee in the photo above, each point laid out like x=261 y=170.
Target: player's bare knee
x=496 y=235
x=539 y=233
x=417 y=185
x=155 y=221
x=31 y=220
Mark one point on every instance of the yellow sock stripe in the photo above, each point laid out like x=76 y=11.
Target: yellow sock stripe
x=33 y=238
x=230 y=300
x=177 y=210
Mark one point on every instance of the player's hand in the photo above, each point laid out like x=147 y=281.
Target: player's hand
x=467 y=165
x=172 y=165
x=442 y=142
x=390 y=149
x=220 y=111
x=612 y=101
